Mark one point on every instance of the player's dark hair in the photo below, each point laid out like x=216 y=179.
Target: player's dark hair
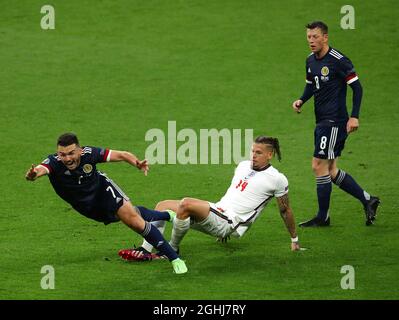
x=318 y=24
x=270 y=141
x=67 y=139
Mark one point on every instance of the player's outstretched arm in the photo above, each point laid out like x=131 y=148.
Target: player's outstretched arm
x=35 y=172
x=129 y=158
x=288 y=217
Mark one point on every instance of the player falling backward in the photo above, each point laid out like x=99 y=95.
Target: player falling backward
x=73 y=174
x=254 y=184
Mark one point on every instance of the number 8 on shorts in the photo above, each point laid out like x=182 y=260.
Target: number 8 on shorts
x=329 y=141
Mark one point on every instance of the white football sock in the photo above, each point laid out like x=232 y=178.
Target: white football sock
x=180 y=228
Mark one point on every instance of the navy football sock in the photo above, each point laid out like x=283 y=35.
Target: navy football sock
x=153 y=215
x=323 y=196
x=348 y=184
x=152 y=235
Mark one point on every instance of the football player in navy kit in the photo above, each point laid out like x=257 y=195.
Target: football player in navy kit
x=328 y=72
x=73 y=174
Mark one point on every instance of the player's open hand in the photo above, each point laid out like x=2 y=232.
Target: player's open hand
x=31 y=174
x=352 y=125
x=143 y=166
x=295 y=246
x=297 y=106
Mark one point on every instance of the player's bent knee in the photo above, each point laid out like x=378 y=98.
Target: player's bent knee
x=160 y=205
x=185 y=206
x=315 y=165
x=130 y=216
x=163 y=205
x=315 y=168
x=187 y=203
x=184 y=203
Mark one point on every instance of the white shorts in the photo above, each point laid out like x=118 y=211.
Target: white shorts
x=217 y=224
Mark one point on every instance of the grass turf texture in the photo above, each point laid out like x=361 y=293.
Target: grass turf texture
x=112 y=71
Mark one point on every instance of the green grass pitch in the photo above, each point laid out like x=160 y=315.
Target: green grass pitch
x=112 y=70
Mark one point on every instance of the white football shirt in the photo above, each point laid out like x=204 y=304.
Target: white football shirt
x=249 y=193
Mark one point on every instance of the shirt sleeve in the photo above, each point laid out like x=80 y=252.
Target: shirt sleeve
x=347 y=70
x=99 y=155
x=307 y=93
x=50 y=164
x=281 y=186
x=308 y=78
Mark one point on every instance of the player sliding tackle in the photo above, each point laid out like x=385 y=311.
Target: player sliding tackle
x=73 y=174
x=254 y=184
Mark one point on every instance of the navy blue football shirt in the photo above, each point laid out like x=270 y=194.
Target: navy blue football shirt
x=329 y=77
x=79 y=186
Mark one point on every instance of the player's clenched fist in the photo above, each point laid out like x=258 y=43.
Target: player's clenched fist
x=143 y=166
x=31 y=174
x=297 y=105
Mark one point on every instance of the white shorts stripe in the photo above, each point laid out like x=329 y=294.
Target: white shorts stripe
x=116 y=187
x=334 y=142
x=331 y=145
x=119 y=190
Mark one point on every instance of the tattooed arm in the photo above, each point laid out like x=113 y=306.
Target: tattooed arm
x=288 y=217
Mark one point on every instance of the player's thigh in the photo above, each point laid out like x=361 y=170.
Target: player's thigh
x=168 y=205
x=194 y=208
x=213 y=225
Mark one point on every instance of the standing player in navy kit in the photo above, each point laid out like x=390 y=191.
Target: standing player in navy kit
x=73 y=174
x=328 y=72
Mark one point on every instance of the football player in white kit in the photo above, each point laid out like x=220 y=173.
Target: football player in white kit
x=254 y=184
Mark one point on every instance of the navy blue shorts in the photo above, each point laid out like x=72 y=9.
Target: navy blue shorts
x=108 y=200
x=329 y=141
